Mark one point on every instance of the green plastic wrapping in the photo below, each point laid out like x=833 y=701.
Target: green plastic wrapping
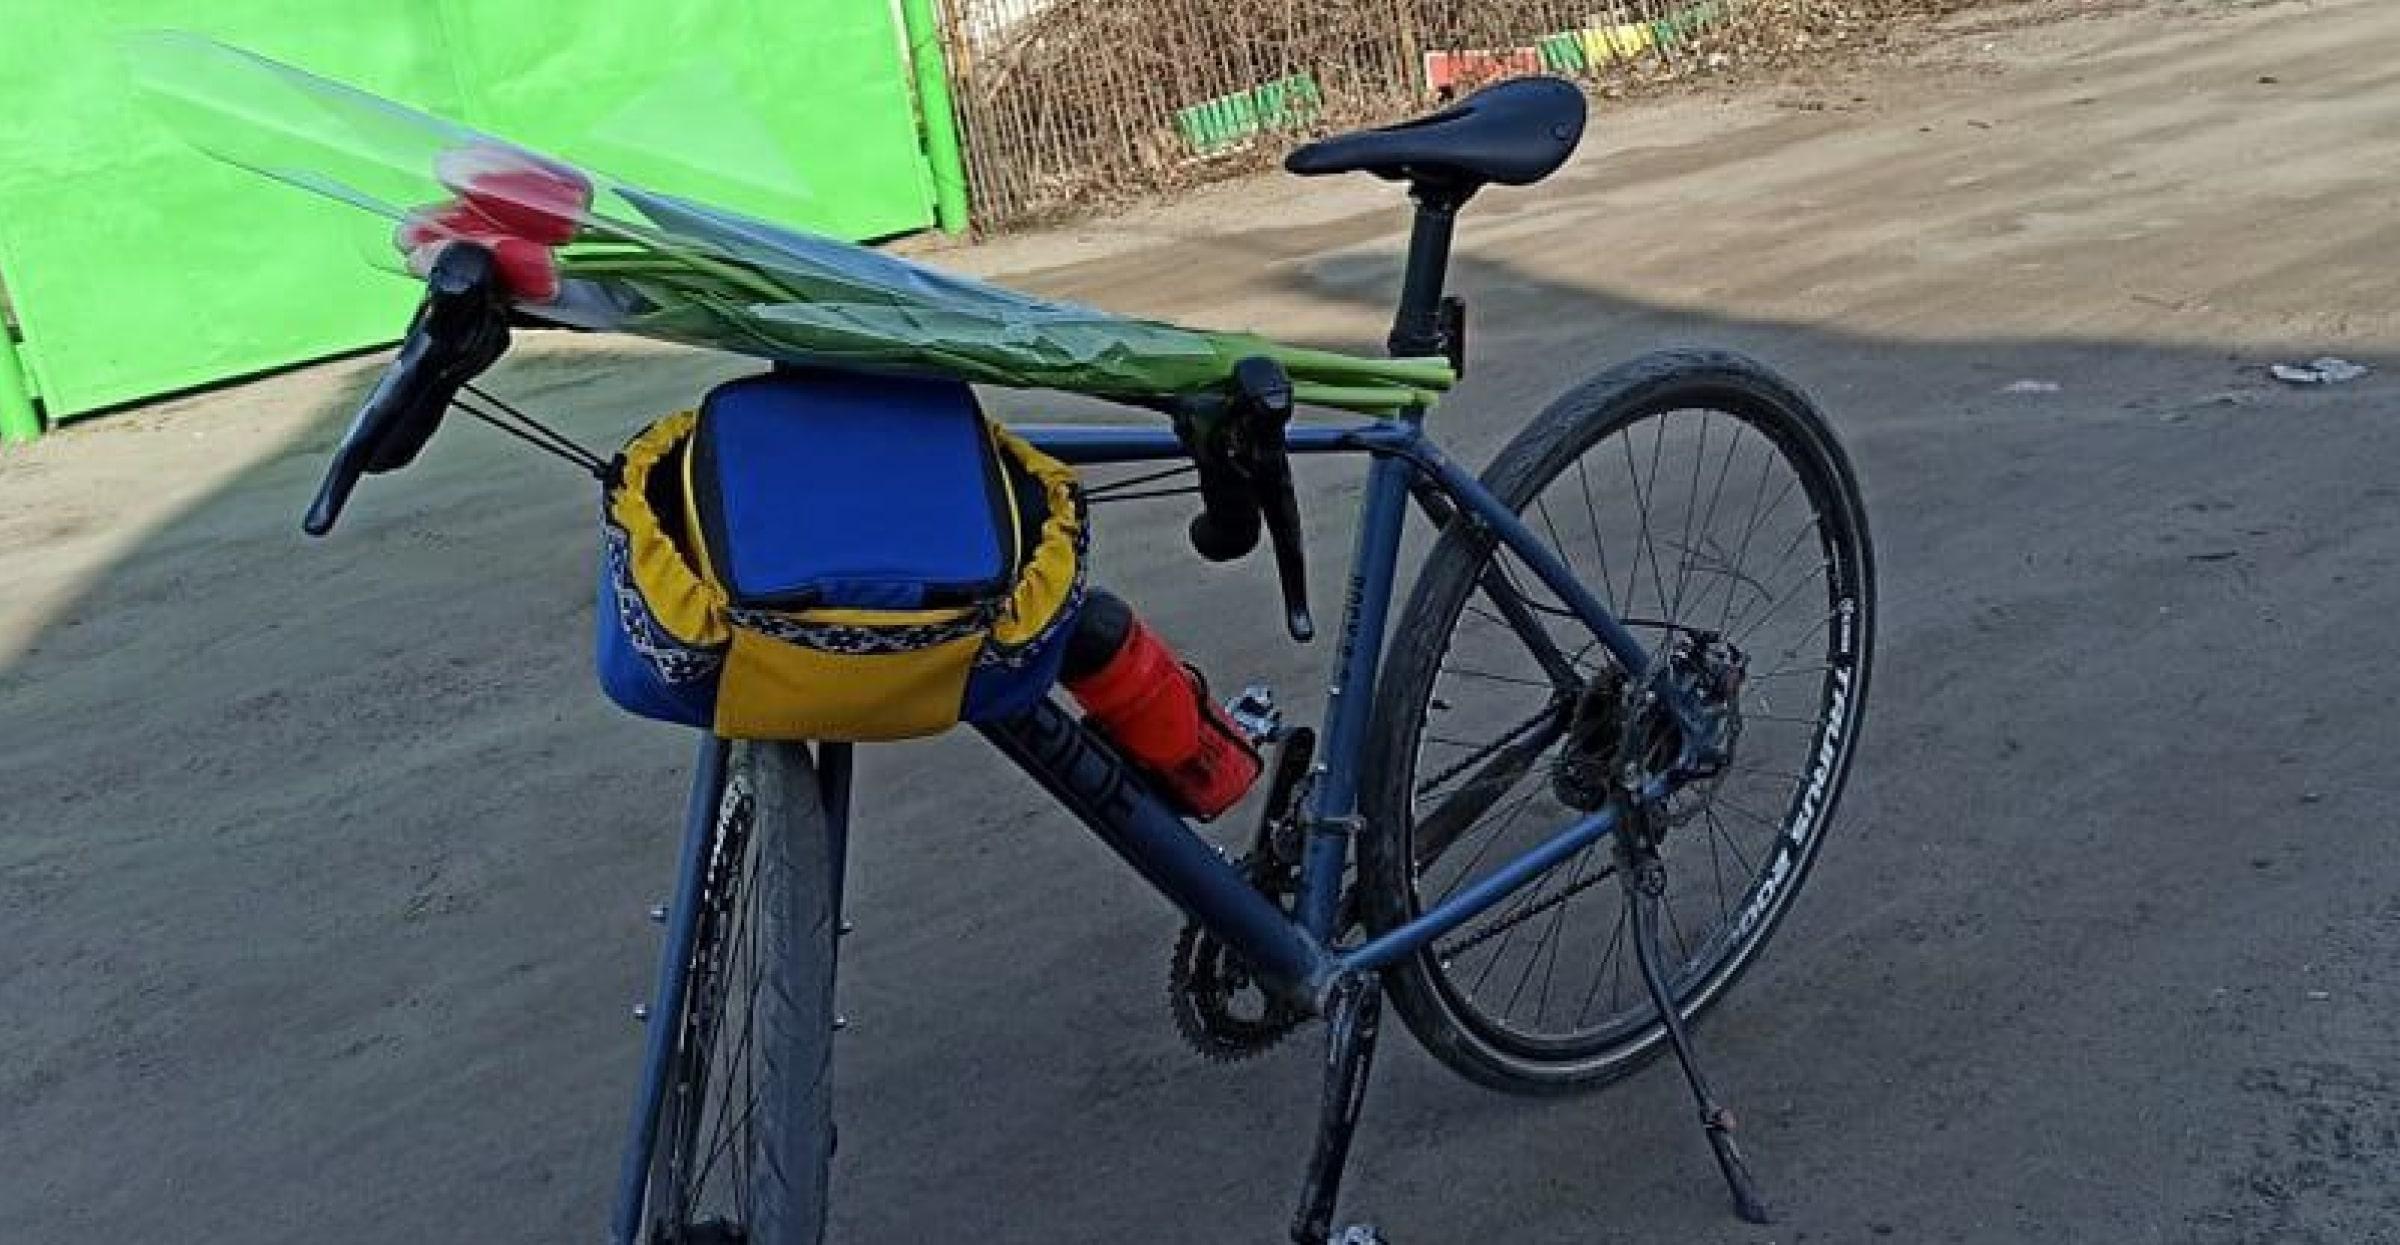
x=584 y=249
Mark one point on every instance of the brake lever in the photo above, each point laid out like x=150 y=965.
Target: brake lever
x=459 y=330
x=1263 y=411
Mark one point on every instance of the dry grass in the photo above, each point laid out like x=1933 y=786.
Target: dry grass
x=1068 y=106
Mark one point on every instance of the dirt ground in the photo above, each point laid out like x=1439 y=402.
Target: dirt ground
x=322 y=865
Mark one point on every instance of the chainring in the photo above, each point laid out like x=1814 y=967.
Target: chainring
x=1219 y=1008
x=1218 y=1005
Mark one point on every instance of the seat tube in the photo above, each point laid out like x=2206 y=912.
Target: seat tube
x=1350 y=702
x=1417 y=323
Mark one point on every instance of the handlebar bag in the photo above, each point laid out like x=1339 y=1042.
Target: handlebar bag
x=822 y=555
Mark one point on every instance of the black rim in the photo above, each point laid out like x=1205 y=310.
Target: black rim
x=1691 y=518
x=701 y=1189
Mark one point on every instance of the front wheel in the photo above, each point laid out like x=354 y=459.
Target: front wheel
x=746 y=1131
x=1695 y=494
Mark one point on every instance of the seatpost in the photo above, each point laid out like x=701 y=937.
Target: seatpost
x=1419 y=327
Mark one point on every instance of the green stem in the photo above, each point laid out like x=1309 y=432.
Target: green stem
x=1327 y=366
x=739 y=275
x=1383 y=400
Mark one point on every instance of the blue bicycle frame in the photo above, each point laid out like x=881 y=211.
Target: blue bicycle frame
x=1296 y=950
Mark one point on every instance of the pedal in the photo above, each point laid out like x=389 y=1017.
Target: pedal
x=1257 y=714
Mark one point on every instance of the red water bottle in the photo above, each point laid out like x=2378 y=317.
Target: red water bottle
x=1156 y=709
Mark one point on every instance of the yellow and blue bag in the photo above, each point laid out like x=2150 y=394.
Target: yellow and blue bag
x=824 y=555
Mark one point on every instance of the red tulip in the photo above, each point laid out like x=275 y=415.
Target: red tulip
x=526 y=267
x=532 y=198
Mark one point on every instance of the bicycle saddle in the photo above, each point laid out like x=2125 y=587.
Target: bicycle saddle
x=1515 y=133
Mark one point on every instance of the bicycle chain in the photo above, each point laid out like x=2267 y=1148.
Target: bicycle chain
x=1479 y=755
x=1515 y=919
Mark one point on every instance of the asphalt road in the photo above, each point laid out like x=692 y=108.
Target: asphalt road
x=322 y=866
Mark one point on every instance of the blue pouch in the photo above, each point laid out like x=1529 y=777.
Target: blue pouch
x=836 y=556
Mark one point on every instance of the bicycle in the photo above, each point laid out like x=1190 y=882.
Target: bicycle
x=1528 y=698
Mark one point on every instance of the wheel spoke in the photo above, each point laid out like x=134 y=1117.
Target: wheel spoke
x=1749 y=716
x=1750 y=530
x=1717 y=492
x=1498 y=833
x=1667 y=906
x=1599 y=546
x=1521 y=616
x=1458 y=811
x=1542 y=977
x=1641 y=505
x=1488 y=677
x=1729 y=806
x=1547 y=717
x=1708 y=526
x=1542 y=509
x=1821 y=570
x=1708 y=812
x=1691 y=511
x=1716 y=866
x=1527 y=905
x=1785 y=672
x=1607 y=958
x=1549 y=940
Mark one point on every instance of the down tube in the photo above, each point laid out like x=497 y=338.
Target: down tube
x=1103 y=792
x=1333 y=807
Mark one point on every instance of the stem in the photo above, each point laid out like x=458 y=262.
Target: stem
x=737 y=274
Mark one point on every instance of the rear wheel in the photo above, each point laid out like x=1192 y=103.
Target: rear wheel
x=1693 y=493
x=746 y=1133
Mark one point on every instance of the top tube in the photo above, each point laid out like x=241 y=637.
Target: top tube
x=1088 y=445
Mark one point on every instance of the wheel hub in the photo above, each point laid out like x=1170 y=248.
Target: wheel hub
x=1581 y=779
x=1680 y=725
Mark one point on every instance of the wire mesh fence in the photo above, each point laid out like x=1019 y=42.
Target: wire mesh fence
x=1065 y=105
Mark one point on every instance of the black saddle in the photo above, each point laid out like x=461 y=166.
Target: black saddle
x=1515 y=133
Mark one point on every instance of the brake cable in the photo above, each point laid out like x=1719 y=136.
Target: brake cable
x=533 y=432
x=1129 y=489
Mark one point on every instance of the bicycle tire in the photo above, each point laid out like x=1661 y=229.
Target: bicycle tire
x=1618 y=400
x=770 y=907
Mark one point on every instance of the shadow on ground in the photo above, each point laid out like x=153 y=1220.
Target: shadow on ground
x=322 y=864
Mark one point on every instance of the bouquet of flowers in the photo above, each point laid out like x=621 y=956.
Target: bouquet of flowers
x=581 y=249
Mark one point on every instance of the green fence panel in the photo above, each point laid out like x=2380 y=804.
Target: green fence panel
x=799 y=111
x=1227 y=121
x=138 y=267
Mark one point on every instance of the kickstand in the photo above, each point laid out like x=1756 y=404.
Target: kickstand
x=1351 y=1018
x=1645 y=878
